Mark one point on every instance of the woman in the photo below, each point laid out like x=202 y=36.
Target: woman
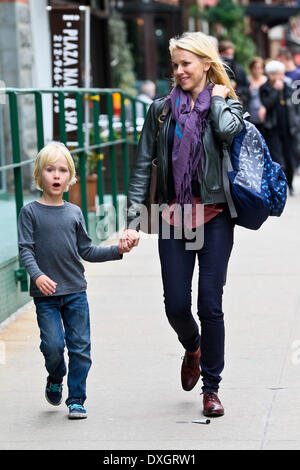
x=203 y=111
x=281 y=127
x=257 y=79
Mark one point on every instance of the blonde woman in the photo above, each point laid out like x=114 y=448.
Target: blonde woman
x=200 y=113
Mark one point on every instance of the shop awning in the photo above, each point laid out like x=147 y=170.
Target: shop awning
x=149 y=6
x=271 y=15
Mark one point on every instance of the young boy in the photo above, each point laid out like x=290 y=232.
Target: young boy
x=52 y=238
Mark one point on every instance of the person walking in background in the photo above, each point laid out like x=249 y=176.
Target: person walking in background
x=235 y=72
x=146 y=94
x=281 y=123
x=291 y=71
x=203 y=111
x=52 y=238
x=256 y=78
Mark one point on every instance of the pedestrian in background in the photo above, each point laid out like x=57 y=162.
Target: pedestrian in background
x=146 y=94
x=52 y=238
x=203 y=111
x=291 y=71
x=235 y=71
x=281 y=123
x=255 y=107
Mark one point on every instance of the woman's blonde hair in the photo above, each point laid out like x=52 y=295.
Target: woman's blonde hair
x=49 y=155
x=201 y=45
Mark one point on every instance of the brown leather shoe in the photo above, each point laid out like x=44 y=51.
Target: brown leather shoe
x=212 y=405
x=190 y=369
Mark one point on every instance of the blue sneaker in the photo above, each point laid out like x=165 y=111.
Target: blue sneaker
x=77 y=411
x=53 y=392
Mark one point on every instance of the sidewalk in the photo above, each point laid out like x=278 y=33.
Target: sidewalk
x=135 y=400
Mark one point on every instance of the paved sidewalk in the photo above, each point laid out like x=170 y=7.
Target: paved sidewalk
x=135 y=400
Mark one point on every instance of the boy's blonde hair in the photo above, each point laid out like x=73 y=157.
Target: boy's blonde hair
x=48 y=155
x=201 y=45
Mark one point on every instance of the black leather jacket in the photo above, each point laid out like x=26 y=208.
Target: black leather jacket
x=224 y=121
x=270 y=98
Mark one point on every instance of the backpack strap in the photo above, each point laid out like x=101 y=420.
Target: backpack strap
x=226 y=167
x=161 y=119
x=163 y=115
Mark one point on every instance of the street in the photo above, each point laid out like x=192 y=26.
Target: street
x=135 y=400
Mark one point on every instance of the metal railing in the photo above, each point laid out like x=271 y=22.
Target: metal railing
x=128 y=135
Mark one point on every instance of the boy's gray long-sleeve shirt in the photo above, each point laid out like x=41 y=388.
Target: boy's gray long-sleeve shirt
x=51 y=241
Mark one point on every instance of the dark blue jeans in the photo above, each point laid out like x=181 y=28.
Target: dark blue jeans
x=64 y=320
x=177 y=267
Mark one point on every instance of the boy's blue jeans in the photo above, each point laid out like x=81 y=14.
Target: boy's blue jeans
x=65 y=320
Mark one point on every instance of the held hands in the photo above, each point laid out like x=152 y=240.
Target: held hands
x=45 y=285
x=128 y=240
x=220 y=90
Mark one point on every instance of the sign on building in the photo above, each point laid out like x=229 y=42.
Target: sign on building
x=293 y=34
x=65 y=26
x=175 y=3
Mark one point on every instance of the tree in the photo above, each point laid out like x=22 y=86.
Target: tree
x=121 y=57
x=231 y=17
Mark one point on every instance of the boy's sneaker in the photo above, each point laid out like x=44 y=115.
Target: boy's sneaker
x=53 y=392
x=77 y=411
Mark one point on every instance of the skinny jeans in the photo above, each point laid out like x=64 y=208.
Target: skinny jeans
x=177 y=267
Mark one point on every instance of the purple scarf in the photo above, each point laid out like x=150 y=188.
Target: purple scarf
x=187 y=145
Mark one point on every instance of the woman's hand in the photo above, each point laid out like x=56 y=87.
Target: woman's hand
x=220 y=90
x=278 y=84
x=262 y=113
x=45 y=285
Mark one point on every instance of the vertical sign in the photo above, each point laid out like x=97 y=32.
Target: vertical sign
x=65 y=24
x=294 y=30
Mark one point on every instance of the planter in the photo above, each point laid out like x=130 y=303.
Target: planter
x=75 y=192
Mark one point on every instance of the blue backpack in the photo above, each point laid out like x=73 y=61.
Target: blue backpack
x=255 y=186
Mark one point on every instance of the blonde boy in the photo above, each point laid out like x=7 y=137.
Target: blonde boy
x=52 y=238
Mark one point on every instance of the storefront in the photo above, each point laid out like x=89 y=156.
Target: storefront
x=263 y=17
x=150 y=25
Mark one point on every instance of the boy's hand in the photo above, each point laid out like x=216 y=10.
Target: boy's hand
x=125 y=245
x=46 y=285
x=128 y=240
x=133 y=236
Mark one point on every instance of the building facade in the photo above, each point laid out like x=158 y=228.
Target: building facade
x=150 y=25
